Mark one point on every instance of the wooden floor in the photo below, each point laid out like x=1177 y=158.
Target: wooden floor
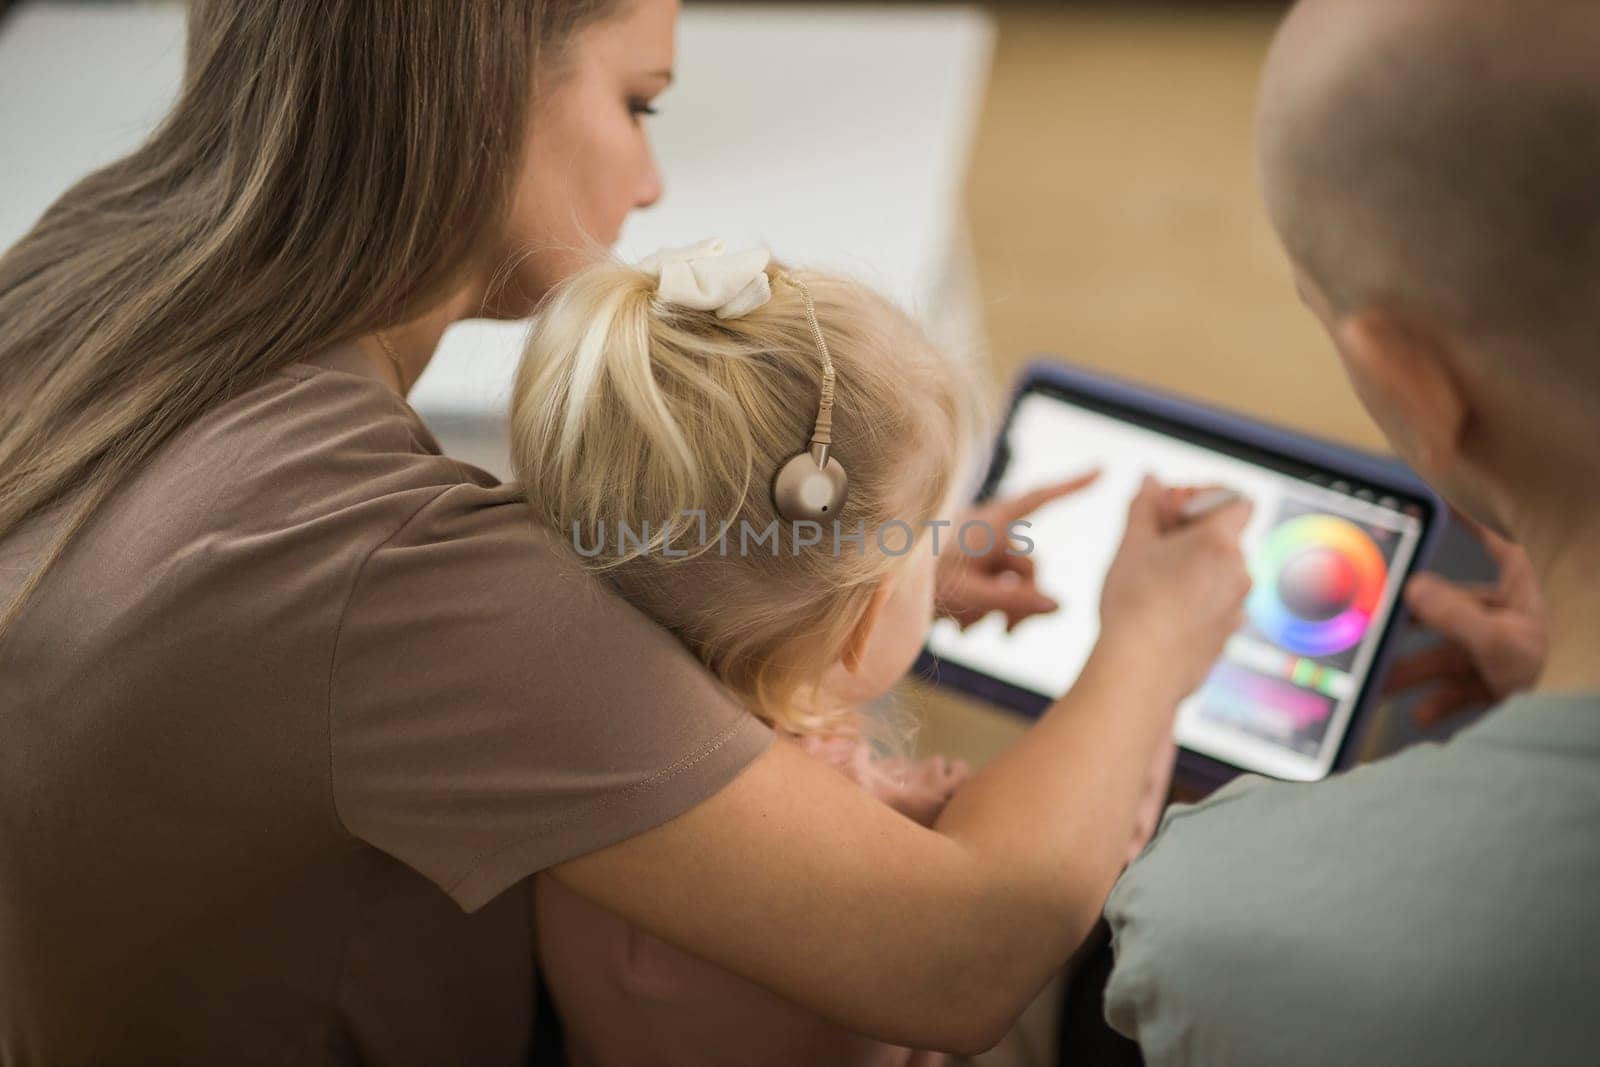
x=1116 y=221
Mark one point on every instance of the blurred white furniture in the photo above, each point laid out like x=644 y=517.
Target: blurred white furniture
x=838 y=136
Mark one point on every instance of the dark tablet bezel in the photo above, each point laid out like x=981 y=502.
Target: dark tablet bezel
x=1297 y=454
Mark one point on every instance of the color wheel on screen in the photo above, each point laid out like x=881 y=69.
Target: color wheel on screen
x=1318 y=582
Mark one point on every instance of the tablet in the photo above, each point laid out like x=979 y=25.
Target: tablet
x=1334 y=535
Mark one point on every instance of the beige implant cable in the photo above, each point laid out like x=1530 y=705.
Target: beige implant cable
x=822 y=433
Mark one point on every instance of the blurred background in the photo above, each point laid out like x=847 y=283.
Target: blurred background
x=1067 y=178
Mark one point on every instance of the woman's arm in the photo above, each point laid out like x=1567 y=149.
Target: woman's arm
x=937 y=938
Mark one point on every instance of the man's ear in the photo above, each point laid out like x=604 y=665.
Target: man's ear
x=855 y=646
x=1404 y=376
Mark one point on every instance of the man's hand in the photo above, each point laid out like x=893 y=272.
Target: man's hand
x=968 y=587
x=1495 y=638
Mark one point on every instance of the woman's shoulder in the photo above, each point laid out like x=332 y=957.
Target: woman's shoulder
x=301 y=478
x=309 y=442
x=338 y=413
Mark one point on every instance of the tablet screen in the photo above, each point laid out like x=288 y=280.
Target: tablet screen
x=1327 y=559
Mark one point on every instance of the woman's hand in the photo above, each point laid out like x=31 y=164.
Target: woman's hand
x=1495 y=639
x=1175 y=591
x=968 y=587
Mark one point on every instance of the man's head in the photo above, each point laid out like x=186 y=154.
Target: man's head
x=1433 y=167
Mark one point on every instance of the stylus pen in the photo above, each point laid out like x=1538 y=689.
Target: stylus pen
x=1205 y=502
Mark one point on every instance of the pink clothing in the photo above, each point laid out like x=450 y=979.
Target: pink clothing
x=628 y=998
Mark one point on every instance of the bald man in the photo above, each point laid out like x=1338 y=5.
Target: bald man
x=1433 y=168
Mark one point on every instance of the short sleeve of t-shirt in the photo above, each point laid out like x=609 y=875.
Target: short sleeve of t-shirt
x=1152 y=909
x=495 y=710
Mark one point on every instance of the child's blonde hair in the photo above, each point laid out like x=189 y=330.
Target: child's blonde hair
x=632 y=411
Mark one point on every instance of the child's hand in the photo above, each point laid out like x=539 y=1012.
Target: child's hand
x=942 y=776
x=924 y=787
x=918 y=789
x=969 y=587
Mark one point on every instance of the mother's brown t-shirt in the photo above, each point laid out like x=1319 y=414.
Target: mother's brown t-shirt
x=285 y=723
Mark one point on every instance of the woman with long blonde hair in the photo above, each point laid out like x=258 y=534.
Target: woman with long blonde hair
x=292 y=705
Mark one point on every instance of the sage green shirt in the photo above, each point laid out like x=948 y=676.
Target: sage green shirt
x=1438 y=907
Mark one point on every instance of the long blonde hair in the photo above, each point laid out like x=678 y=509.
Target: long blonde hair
x=630 y=411
x=329 y=168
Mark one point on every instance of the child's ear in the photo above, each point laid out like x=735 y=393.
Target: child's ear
x=855 y=646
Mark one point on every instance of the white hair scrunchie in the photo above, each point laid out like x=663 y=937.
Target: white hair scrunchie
x=702 y=276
